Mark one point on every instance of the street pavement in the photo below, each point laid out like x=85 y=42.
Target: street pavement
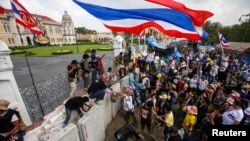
x=43 y=68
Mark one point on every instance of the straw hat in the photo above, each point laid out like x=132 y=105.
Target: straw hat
x=209 y=59
x=173 y=86
x=191 y=94
x=4 y=104
x=185 y=85
x=247 y=111
x=214 y=86
x=192 y=110
x=158 y=75
x=164 y=96
x=245 y=87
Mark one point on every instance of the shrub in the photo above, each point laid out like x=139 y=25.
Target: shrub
x=18 y=52
x=87 y=51
x=60 y=52
x=30 y=53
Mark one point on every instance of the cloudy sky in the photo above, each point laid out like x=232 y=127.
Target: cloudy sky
x=226 y=12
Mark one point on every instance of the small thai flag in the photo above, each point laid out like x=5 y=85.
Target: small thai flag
x=223 y=41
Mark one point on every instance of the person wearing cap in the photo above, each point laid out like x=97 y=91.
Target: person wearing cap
x=162 y=103
x=168 y=120
x=97 y=89
x=9 y=122
x=74 y=103
x=189 y=121
x=126 y=131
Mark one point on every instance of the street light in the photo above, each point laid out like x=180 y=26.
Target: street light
x=76 y=41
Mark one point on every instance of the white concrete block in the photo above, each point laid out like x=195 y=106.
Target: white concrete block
x=69 y=133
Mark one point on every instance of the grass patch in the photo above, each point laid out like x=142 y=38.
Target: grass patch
x=46 y=51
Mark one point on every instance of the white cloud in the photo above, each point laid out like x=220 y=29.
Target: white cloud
x=226 y=12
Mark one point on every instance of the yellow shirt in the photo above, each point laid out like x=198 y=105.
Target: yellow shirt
x=169 y=119
x=189 y=121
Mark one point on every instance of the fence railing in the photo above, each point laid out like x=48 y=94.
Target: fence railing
x=50 y=94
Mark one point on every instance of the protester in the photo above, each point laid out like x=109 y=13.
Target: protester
x=189 y=121
x=128 y=105
x=9 y=123
x=126 y=131
x=72 y=77
x=77 y=104
x=93 y=64
x=174 y=135
x=147 y=113
x=234 y=116
x=168 y=120
x=86 y=70
x=97 y=89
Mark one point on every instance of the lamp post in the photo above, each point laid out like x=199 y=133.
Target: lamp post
x=76 y=41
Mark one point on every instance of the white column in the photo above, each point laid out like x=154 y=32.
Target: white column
x=8 y=85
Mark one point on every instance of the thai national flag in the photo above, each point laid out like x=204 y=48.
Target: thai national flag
x=1 y=10
x=24 y=18
x=133 y=16
x=223 y=41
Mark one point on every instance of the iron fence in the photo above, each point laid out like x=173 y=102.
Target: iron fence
x=50 y=94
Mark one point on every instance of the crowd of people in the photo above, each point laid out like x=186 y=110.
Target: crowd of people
x=209 y=88
x=206 y=87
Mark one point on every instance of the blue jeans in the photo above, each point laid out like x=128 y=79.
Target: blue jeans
x=94 y=75
x=68 y=115
x=99 y=95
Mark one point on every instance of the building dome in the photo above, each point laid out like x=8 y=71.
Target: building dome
x=66 y=16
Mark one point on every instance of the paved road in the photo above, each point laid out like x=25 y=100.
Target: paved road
x=43 y=68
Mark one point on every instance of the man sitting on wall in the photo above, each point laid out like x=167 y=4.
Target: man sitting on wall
x=97 y=89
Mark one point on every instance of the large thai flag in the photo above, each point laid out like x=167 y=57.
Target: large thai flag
x=133 y=16
x=24 y=18
x=223 y=41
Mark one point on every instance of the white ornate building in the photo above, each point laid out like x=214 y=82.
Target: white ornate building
x=58 y=32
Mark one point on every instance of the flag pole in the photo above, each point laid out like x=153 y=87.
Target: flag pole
x=222 y=50
x=31 y=75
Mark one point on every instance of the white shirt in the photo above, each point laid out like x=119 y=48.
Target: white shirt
x=223 y=66
x=150 y=57
x=193 y=83
x=128 y=103
x=143 y=84
x=156 y=59
x=231 y=116
x=203 y=84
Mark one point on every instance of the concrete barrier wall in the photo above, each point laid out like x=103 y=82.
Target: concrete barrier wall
x=91 y=127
